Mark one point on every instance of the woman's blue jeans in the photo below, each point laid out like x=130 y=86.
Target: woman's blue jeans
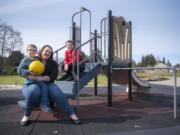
x=58 y=97
x=32 y=94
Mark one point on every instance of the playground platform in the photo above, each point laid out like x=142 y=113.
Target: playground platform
x=146 y=114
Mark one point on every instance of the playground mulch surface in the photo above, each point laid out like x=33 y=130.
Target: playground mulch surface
x=146 y=114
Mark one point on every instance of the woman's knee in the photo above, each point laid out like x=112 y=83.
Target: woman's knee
x=54 y=90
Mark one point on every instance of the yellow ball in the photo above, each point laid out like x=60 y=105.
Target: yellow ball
x=36 y=67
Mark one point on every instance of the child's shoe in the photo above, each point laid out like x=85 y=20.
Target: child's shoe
x=70 y=78
x=46 y=108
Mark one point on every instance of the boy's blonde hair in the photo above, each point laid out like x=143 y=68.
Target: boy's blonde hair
x=32 y=46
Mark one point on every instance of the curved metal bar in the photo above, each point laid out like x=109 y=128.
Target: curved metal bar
x=103 y=20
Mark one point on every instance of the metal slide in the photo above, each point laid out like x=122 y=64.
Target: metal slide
x=121 y=77
x=140 y=82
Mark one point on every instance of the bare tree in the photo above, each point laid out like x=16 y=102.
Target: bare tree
x=15 y=42
x=10 y=40
x=3 y=33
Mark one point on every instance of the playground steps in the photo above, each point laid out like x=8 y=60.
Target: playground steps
x=70 y=88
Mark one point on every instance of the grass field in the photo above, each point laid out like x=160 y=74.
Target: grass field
x=11 y=80
x=17 y=80
x=156 y=76
x=102 y=79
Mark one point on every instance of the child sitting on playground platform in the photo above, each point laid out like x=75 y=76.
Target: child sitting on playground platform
x=70 y=62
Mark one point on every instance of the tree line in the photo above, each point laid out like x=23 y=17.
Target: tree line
x=149 y=60
x=10 y=48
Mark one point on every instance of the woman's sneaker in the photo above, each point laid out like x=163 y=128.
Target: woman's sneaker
x=24 y=121
x=46 y=108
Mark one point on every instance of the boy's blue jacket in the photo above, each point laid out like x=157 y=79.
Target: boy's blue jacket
x=23 y=69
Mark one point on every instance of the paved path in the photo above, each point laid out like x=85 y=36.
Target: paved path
x=148 y=114
x=169 y=82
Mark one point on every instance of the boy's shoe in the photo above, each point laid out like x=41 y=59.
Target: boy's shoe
x=70 y=78
x=64 y=77
x=24 y=121
x=46 y=108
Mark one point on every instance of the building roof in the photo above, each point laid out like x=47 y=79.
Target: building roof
x=161 y=65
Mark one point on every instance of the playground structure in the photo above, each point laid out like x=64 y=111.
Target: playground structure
x=110 y=49
x=110 y=53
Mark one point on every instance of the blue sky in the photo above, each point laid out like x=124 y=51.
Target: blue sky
x=155 y=23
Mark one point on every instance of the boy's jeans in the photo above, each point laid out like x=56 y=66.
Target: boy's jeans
x=32 y=94
x=44 y=93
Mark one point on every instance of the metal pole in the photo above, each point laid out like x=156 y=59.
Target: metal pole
x=84 y=9
x=74 y=31
x=175 y=104
x=74 y=39
x=130 y=23
x=130 y=65
x=77 y=63
x=110 y=41
x=90 y=28
x=130 y=82
x=78 y=45
x=57 y=59
x=101 y=39
x=95 y=49
x=105 y=56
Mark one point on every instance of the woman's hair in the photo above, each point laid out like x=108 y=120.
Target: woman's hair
x=70 y=41
x=32 y=46
x=41 y=50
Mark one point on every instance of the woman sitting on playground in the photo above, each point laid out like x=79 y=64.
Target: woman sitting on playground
x=70 y=61
x=30 y=85
x=50 y=74
x=32 y=92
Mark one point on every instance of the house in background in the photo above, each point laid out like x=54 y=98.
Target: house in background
x=161 y=65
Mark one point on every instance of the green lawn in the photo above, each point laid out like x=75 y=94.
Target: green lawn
x=102 y=79
x=157 y=74
x=11 y=80
x=17 y=80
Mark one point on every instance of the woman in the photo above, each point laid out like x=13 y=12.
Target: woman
x=50 y=74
